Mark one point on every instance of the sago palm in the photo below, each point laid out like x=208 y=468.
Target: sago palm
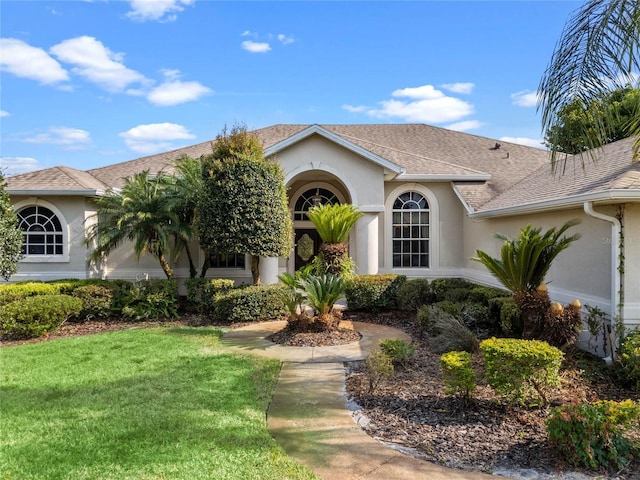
x=141 y=212
x=334 y=223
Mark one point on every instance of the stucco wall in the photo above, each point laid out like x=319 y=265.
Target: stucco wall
x=632 y=265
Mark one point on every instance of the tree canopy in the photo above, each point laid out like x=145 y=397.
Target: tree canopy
x=598 y=52
x=243 y=207
x=10 y=236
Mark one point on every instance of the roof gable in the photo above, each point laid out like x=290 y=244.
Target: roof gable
x=56 y=180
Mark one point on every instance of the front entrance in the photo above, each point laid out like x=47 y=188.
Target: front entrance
x=306 y=246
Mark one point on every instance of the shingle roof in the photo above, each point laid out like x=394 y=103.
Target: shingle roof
x=613 y=170
x=61 y=179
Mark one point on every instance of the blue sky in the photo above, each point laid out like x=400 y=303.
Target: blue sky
x=91 y=83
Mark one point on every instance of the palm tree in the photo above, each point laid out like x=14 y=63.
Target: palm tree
x=334 y=223
x=523 y=265
x=597 y=52
x=143 y=212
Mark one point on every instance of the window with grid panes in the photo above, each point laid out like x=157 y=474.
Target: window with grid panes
x=41 y=230
x=410 y=231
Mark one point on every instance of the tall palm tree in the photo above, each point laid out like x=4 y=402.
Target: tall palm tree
x=597 y=52
x=522 y=267
x=334 y=223
x=143 y=212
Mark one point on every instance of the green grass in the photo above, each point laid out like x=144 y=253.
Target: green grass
x=162 y=403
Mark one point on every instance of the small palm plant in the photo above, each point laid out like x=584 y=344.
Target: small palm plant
x=523 y=265
x=334 y=223
x=322 y=292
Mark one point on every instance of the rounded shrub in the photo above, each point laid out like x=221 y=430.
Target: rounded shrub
x=457 y=374
x=414 y=293
x=374 y=293
x=96 y=301
x=252 y=304
x=32 y=317
x=16 y=291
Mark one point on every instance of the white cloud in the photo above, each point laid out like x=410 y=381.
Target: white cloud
x=524 y=98
x=97 y=63
x=355 y=109
x=256 y=47
x=529 y=142
x=159 y=10
x=285 y=40
x=459 y=87
x=465 y=125
x=17 y=165
x=23 y=60
x=176 y=92
x=419 y=104
x=155 y=137
x=4 y=113
x=70 y=138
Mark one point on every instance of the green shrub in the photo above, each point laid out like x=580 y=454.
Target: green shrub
x=68 y=285
x=456 y=295
x=520 y=370
x=452 y=334
x=450 y=307
x=505 y=313
x=628 y=361
x=151 y=300
x=96 y=301
x=399 y=351
x=15 y=291
x=414 y=293
x=378 y=367
x=374 y=293
x=251 y=304
x=440 y=287
x=591 y=435
x=426 y=318
x=483 y=295
x=34 y=316
x=201 y=292
x=457 y=374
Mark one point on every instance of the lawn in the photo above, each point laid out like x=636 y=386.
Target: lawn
x=160 y=403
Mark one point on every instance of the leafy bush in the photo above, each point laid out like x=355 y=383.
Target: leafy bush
x=151 y=299
x=521 y=369
x=440 y=287
x=628 y=361
x=591 y=435
x=378 y=366
x=457 y=374
x=96 y=301
x=373 y=293
x=201 y=292
x=16 y=291
x=251 y=304
x=505 y=313
x=399 y=351
x=34 y=316
x=483 y=295
x=414 y=293
x=426 y=317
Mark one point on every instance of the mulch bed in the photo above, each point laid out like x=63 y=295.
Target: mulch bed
x=294 y=335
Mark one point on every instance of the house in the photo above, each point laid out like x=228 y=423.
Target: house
x=431 y=198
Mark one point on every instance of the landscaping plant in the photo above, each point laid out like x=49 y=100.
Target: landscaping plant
x=457 y=374
x=400 y=351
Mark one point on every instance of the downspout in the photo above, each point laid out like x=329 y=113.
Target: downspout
x=616 y=275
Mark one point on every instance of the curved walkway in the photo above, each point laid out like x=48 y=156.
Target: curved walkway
x=309 y=417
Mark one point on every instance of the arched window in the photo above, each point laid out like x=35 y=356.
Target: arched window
x=42 y=231
x=311 y=198
x=410 y=231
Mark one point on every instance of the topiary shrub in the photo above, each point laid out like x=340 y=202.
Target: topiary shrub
x=414 y=293
x=400 y=351
x=96 y=301
x=591 y=435
x=523 y=371
x=202 y=292
x=35 y=316
x=628 y=362
x=251 y=304
x=15 y=291
x=374 y=293
x=457 y=374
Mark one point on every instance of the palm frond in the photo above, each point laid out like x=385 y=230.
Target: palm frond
x=334 y=221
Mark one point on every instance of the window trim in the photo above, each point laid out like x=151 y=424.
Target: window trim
x=64 y=257
x=434 y=229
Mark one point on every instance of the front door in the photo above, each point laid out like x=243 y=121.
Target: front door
x=307 y=245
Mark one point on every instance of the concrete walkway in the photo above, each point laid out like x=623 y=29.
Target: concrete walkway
x=309 y=416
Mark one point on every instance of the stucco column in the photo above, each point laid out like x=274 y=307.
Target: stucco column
x=367 y=242
x=631 y=309
x=268 y=268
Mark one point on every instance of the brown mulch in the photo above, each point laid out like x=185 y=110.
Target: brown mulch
x=314 y=335
x=411 y=410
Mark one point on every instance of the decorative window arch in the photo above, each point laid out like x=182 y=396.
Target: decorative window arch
x=412 y=237
x=44 y=231
x=312 y=197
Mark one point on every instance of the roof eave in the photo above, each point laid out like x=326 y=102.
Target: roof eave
x=68 y=193
x=468 y=208
x=418 y=177
x=617 y=195
x=317 y=129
